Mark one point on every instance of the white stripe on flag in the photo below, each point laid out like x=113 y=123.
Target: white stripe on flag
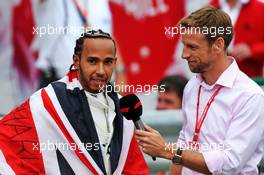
x=128 y=131
x=46 y=131
x=5 y=169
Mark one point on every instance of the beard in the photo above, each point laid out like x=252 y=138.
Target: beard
x=85 y=82
x=199 y=67
x=88 y=82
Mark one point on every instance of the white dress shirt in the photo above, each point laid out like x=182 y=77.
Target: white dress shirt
x=103 y=113
x=233 y=128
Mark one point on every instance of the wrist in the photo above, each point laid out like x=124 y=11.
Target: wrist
x=169 y=152
x=177 y=158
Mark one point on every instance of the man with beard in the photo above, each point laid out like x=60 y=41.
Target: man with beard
x=73 y=126
x=222 y=107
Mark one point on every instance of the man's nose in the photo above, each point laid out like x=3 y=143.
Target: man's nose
x=185 y=53
x=100 y=69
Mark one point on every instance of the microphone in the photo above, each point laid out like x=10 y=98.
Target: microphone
x=131 y=109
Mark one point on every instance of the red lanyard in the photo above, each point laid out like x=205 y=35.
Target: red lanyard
x=199 y=123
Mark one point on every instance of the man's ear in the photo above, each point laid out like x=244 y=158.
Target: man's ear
x=76 y=61
x=219 y=45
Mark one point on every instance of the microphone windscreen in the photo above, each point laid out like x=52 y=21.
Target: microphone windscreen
x=131 y=107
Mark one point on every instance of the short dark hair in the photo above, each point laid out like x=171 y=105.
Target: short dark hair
x=173 y=83
x=210 y=17
x=91 y=34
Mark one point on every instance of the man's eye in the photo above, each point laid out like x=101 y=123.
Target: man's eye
x=167 y=101
x=193 y=47
x=92 y=61
x=108 y=62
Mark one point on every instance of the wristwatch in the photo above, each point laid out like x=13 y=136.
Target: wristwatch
x=177 y=158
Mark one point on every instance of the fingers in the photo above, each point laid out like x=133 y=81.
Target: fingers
x=149 y=136
x=149 y=129
x=141 y=133
x=143 y=140
x=141 y=136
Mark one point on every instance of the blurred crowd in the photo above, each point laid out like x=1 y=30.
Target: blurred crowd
x=37 y=39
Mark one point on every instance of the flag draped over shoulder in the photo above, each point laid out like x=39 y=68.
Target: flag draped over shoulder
x=38 y=138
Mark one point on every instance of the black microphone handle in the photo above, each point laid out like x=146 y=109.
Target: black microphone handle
x=139 y=125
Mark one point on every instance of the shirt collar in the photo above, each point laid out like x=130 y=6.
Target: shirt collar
x=226 y=79
x=101 y=100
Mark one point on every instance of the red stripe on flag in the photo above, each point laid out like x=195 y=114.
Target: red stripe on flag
x=19 y=142
x=51 y=109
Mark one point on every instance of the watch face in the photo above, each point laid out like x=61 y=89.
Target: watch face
x=176 y=159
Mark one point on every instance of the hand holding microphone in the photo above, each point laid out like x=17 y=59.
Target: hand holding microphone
x=131 y=108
